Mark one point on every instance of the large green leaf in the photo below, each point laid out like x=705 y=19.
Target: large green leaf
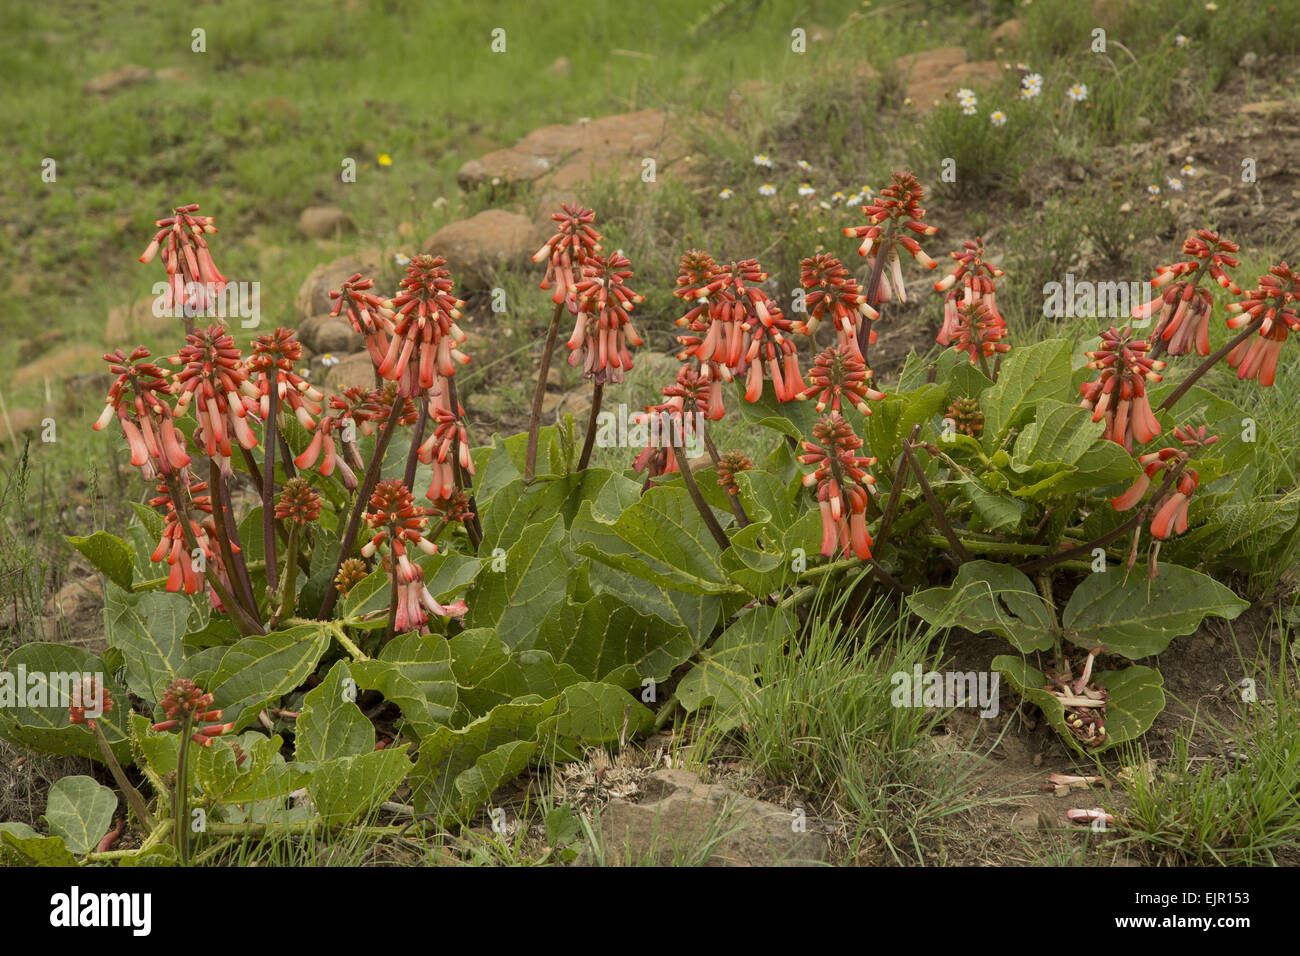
x=987 y=596
x=1136 y=698
x=594 y=713
x=331 y=724
x=605 y=640
x=1138 y=617
x=259 y=670
x=20 y=845
x=518 y=505
x=458 y=770
x=724 y=676
x=149 y=628
x=994 y=511
x=698 y=613
x=413 y=671
x=518 y=585
x=660 y=538
x=80 y=810
x=1030 y=374
x=110 y=555
x=345 y=788
x=892 y=419
x=36 y=688
x=445 y=575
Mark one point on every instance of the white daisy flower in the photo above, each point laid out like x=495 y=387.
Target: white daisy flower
x=762 y=159
x=1153 y=190
x=1181 y=40
x=1188 y=169
x=965 y=94
x=725 y=194
x=1175 y=184
x=1078 y=92
x=998 y=118
x=804 y=164
x=806 y=190
x=400 y=259
x=1022 y=67
x=837 y=196
x=824 y=204
x=328 y=359
x=1031 y=85
x=767 y=189
x=969 y=109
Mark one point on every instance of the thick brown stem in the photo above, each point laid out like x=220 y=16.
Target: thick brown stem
x=228 y=539
x=737 y=508
x=895 y=495
x=413 y=456
x=268 y=483
x=473 y=527
x=701 y=505
x=133 y=797
x=590 y=441
x=539 y=395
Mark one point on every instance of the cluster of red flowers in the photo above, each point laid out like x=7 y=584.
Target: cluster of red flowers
x=842 y=486
x=1273 y=303
x=602 y=330
x=185 y=703
x=838 y=372
x=575 y=241
x=214 y=375
x=971 y=321
x=88 y=694
x=193 y=279
x=1184 y=319
x=1171 y=516
x=157 y=447
x=899 y=204
x=671 y=422
x=398 y=521
x=424 y=333
x=1119 y=395
x=832 y=290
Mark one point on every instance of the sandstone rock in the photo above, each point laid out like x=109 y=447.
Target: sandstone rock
x=476 y=248
x=62 y=361
x=1026 y=821
x=324 y=222
x=568 y=156
x=1008 y=35
x=681 y=817
x=313 y=296
x=117 y=80
x=353 y=370
x=327 y=334
x=126 y=323
x=930 y=75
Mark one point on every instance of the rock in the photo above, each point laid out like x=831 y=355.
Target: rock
x=477 y=247
x=1248 y=60
x=569 y=156
x=171 y=74
x=680 y=816
x=1222 y=196
x=324 y=222
x=560 y=67
x=933 y=73
x=353 y=370
x=126 y=323
x=1263 y=106
x=75 y=615
x=59 y=363
x=76 y=595
x=327 y=334
x=1026 y=821
x=18 y=422
x=313 y=296
x=117 y=80
x=1007 y=36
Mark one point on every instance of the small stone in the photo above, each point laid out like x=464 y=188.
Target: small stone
x=325 y=333
x=1038 y=760
x=323 y=222
x=478 y=247
x=1248 y=60
x=1007 y=36
x=353 y=370
x=1026 y=821
x=117 y=80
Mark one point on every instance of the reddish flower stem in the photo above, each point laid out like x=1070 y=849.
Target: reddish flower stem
x=895 y=495
x=269 y=544
x=693 y=490
x=871 y=293
x=413 y=455
x=472 y=527
x=373 y=469
x=539 y=395
x=589 y=442
x=737 y=508
x=945 y=528
x=228 y=540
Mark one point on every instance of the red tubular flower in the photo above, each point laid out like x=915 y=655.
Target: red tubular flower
x=192 y=277
x=900 y=204
x=1171 y=516
x=215 y=375
x=730 y=465
x=323 y=449
x=274 y=356
x=1119 y=395
x=368 y=313
x=837 y=372
x=603 y=330
x=157 y=447
x=574 y=242
x=378 y=405
x=1275 y=300
x=399 y=521
x=88 y=694
x=298 y=502
x=186 y=704
x=447 y=445
x=172 y=546
x=424 y=330
x=1184 y=320
x=833 y=290
x=843 y=508
x=977 y=286
x=455 y=507
x=976 y=330
x=698 y=269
